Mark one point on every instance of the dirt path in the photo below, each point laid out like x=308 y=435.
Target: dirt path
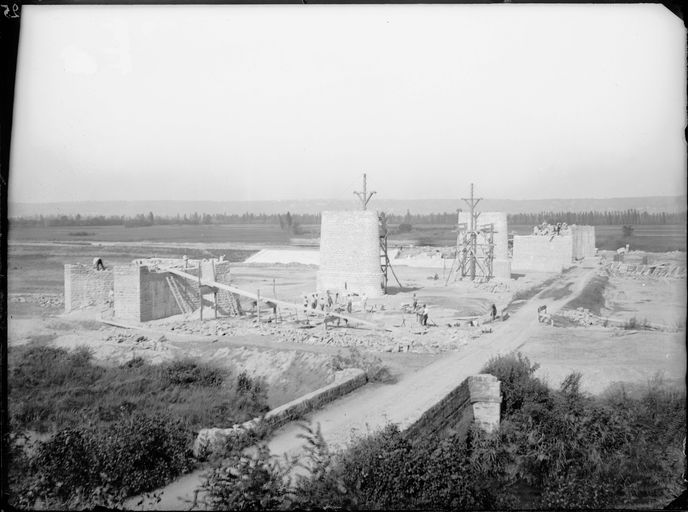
x=375 y=405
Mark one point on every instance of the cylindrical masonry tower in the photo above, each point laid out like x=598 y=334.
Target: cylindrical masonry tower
x=350 y=253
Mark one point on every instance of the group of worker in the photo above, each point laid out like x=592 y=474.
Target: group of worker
x=421 y=312
x=329 y=302
x=545 y=229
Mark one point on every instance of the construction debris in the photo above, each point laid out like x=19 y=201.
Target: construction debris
x=665 y=271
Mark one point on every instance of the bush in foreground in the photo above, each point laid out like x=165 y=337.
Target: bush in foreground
x=554 y=449
x=82 y=467
x=115 y=431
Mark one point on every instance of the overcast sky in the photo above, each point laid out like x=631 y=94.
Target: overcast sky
x=267 y=102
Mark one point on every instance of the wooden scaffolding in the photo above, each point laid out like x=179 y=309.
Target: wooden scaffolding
x=474 y=246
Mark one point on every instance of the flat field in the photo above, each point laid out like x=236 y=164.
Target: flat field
x=655 y=238
x=208 y=234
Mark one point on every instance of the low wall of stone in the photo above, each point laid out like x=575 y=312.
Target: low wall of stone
x=476 y=400
x=535 y=253
x=212 y=440
x=85 y=286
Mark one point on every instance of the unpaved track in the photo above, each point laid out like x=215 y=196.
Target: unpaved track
x=375 y=405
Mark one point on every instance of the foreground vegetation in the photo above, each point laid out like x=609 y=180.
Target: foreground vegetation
x=554 y=449
x=110 y=432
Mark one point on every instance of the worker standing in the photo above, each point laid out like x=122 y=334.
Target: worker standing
x=364 y=300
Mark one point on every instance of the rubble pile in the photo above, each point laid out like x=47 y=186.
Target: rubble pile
x=666 y=270
x=138 y=341
x=544 y=229
x=410 y=339
x=581 y=316
x=44 y=301
x=494 y=286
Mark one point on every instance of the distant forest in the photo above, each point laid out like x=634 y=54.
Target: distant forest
x=290 y=221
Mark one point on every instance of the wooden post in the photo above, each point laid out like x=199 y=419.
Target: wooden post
x=212 y=261
x=200 y=291
x=258 y=305
x=274 y=294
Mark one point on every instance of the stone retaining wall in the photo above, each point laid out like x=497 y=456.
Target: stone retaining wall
x=476 y=400
x=211 y=440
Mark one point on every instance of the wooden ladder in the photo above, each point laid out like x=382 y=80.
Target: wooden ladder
x=177 y=294
x=233 y=305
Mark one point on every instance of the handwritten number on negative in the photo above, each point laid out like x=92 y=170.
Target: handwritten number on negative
x=14 y=8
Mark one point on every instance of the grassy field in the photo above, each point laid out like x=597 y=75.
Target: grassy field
x=221 y=233
x=644 y=238
x=40 y=269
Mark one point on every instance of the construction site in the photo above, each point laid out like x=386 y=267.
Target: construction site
x=432 y=317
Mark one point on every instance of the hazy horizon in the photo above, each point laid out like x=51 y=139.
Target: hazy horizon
x=245 y=103
x=355 y=200
x=305 y=206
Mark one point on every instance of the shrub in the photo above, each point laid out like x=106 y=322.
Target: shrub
x=188 y=372
x=519 y=387
x=405 y=228
x=82 y=467
x=248 y=482
x=375 y=369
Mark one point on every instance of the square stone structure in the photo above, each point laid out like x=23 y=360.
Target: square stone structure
x=350 y=253
x=85 y=286
x=144 y=293
x=547 y=253
x=501 y=267
x=583 y=241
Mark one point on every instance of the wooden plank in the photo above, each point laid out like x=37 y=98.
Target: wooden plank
x=255 y=297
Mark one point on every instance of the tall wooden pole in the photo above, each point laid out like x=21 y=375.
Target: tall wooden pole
x=472 y=203
x=200 y=291
x=364 y=196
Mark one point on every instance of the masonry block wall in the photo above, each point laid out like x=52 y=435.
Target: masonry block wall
x=350 y=253
x=535 y=253
x=128 y=292
x=501 y=267
x=85 y=286
x=143 y=293
x=583 y=241
x=475 y=401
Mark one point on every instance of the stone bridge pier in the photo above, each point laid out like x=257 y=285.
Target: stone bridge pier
x=477 y=400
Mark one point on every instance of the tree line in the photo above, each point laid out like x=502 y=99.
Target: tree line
x=291 y=221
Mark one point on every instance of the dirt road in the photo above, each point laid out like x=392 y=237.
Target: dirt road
x=376 y=405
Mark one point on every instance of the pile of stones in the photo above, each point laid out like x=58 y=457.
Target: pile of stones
x=44 y=301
